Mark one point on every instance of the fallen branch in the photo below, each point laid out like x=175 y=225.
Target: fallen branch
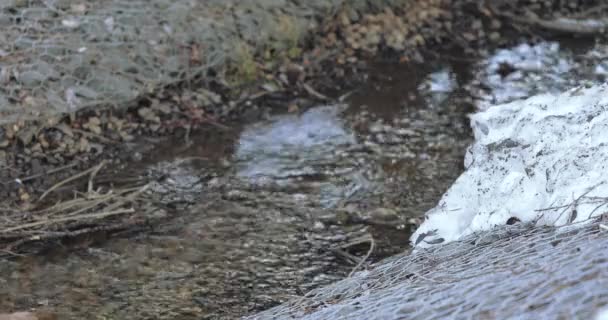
x=562 y=25
x=567 y=25
x=315 y=93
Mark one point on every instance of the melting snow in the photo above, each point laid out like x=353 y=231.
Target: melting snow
x=525 y=70
x=540 y=160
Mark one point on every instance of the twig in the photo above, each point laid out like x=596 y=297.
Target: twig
x=596 y=208
x=356 y=241
x=586 y=13
x=603 y=227
x=51 y=171
x=568 y=25
x=576 y=201
x=215 y=123
x=315 y=93
x=351 y=258
x=573 y=204
x=70 y=179
x=93 y=174
x=11 y=253
x=128 y=198
x=95 y=136
x=345 y=96
x=91 y=201
x=98 y=215
x=372 y=245
x=54 y=235
x=86 y=207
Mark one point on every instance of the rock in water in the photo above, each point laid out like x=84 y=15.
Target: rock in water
x=541 y=160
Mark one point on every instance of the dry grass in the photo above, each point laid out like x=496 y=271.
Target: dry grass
x=90 y=210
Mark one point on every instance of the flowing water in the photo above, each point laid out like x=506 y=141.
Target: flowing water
x=267 y=211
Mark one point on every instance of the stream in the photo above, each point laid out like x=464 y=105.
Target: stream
x=270 y=210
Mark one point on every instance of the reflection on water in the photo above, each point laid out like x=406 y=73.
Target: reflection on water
x=290 y=145
x=305 y=150
x=438 y=86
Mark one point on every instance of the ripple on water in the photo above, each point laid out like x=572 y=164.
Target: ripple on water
x=289 y=145
x=302 y=150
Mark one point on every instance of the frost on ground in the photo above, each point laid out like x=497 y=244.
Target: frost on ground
x=540 y=160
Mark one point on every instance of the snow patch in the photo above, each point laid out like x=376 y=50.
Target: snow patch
x=541 y=160
x=525 y=70
x=602 y=314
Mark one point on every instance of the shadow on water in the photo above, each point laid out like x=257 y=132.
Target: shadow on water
x=268 y=211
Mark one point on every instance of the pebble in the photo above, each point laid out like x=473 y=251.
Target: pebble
x=136 y=156
x=405 y=132
x=383 y=215
x=26 y=135
x=235 y=195
x=318 y=225
x=148 y=115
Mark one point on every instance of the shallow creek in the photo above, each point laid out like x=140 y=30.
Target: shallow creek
x=267 y=211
